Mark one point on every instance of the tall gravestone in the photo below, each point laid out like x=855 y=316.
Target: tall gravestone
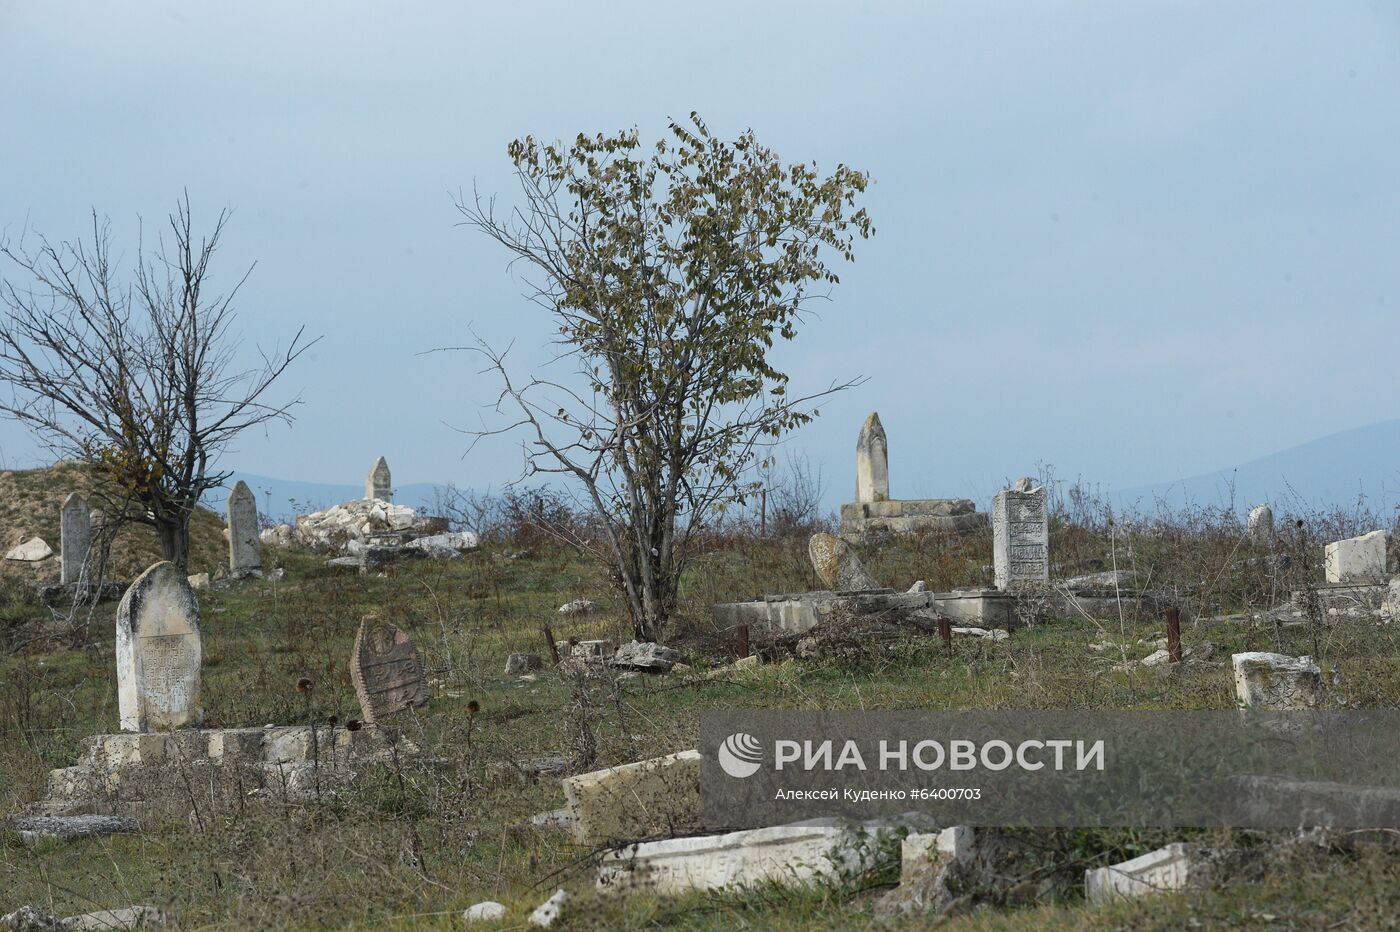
x=1020 y=536
x=75 y=532
x=244 y=545
x=158 y=652
x=872 y=462
x=387 y=671
x=377 y=484
x=1261 y=524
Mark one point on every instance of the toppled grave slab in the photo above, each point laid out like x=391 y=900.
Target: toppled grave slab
x=646 y=656
x=653 y=798
x=136 y=773
x=792 y=855
x=1260 y=799
x=33 y=919
x=773 y=616
x=34 y=829
x=1177 y=866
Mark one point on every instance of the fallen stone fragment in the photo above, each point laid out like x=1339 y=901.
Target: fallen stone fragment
x=33 y=829
x=593 y=650
x=989 y=634
x=554 y=818
x=548 y=912
x=578 y=607
x=107 y=920
x=31 y=551
x=645 y=656
x=29 y=919
x=1276 y=681
x=488 y=911
x=919 y=586
x=517 y=664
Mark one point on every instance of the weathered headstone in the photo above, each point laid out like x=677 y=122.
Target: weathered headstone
x=1276 y=682
x=158 y=652
x=837 y=565
x=1357 y=559
x=75 y=538
x=244 y=543
x=872 y=462
x=1020 y=536
x=1261 y=524
x=387 y=671
x=637 y=800
x=1161 y=871
x=377 y=484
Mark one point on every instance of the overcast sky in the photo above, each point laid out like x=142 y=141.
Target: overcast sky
x=1133 y=240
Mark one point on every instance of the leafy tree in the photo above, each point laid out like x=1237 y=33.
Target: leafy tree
x=136 y=377
x=670 y=270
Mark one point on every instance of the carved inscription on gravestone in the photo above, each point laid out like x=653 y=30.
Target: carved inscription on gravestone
x=387 y=671
x=158 y=652
x=1020 y=537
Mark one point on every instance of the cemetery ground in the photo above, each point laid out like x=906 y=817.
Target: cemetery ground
x=420 y=838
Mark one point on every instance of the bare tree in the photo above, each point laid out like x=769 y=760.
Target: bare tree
x=138 y=377
x=670 y=270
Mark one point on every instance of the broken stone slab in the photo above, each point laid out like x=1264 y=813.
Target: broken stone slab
x=1164 y=870
x=1357 y=559
x=33 y=829
x=445 y=546
x=554 y=818
x=599 y=649
x=486 y=911
x=31 y=551
x=837 y=564
x=578 y=607
x=348 y=563
x=987 y=634
x=646 y=656
x=1272 y=681
x=550 y=911
x=1277 y=801
x=789 y=855
x=925 y=860
x=785 y=615
x=659 y=797
x=519 y=663
x=1194 y=654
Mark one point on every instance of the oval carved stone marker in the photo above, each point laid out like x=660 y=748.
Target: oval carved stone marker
x=387 y=671
x=158 y=652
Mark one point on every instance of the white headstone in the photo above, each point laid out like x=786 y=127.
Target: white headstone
x=75 y=538
x=1276 y=682
x=872 y=462
x=1160 y=871
x=244 y=544
x=1261 y=524
x=377 y=484
x=1357 y=559
x=1020 y=536
x=158 y=652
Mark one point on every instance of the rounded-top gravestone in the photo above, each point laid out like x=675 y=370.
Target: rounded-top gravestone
x=158 y=652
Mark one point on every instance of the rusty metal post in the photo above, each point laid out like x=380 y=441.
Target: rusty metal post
x=549 y=642
x=945 y=631
x=1174 y=635
x=741 y=634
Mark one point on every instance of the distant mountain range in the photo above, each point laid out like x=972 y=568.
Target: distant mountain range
x=1332 y=471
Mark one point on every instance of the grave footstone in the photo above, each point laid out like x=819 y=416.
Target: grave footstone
x=1020 y=537
x=158 y=652
x=75 y=538
x=244 y=543
x=377 y=484
x=387 y=671
x=872 y=462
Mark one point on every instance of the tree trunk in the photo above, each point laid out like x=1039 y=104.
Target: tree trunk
x=175 y=542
